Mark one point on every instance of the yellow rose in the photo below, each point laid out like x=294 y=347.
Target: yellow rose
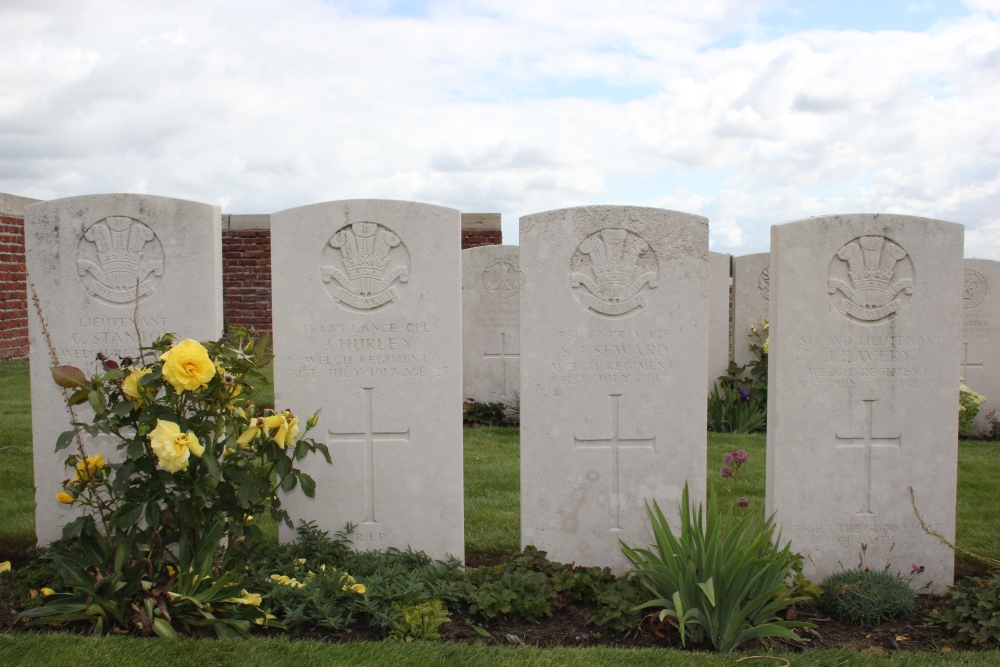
x=187 y=366
x=85 y=469
x=355 y=588
x=287 y=428
x=47 y=592
x=173 y=448
x=64 y=497
x=5 y=566
x=132 y=388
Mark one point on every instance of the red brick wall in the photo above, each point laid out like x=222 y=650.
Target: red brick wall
x=13 y=290
x=473 y=238
x=246 y=278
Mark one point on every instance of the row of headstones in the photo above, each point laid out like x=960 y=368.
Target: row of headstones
x=865 y=336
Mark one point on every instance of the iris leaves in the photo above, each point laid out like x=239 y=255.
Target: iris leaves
x=723 y=580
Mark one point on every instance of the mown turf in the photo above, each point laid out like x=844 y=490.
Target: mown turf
x=17 y=492
x=492 y=492
x=70 y=651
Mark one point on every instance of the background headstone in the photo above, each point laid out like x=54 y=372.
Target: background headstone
x=368 y=327
x=491 y=337
x=718 y=316
x=750 y=301
x=614 y=324
x=981 y=337
x=82 y=256
x=863 y=391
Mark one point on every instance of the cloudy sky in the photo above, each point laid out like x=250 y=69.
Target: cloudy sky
x=749 y=112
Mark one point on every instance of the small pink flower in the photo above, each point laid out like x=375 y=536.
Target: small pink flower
x=917 y=569
x=742 y=502
x=726 y=472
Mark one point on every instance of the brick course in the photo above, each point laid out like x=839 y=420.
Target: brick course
x=13 y=290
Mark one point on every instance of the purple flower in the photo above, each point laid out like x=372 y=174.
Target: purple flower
x=726 y=472
x=742 y=502
x=739 y=456
x=745 y=397
x=917 y=569
x=728 y=459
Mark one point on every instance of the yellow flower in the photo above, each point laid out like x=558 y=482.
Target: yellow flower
x=767 y=342
x=286 y=581
x=132 y=388
x=767 y=323
x=267 y=617
x=173 y=448
x=287 y=428
x=252 y=599
x=85 y=469
x=249 y=434
x=187 y=366
x=5 y=566
x=47 y=592
x=355 y=588
x=64 y=497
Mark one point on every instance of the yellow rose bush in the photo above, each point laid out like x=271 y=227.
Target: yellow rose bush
x=197 y=460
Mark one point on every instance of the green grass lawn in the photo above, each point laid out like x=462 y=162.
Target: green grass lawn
x=492 y=530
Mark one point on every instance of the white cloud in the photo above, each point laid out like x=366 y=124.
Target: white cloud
x=503 y=105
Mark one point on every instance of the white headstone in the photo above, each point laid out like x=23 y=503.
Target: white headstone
x=718 y=316
x=750 y=301
x=83 y=257
x=981 y=337
x=491 y=312
x=863 y=390
x=368 y=327
x=614 y=325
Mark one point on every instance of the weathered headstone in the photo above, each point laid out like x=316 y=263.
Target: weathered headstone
x=491 y=303
x=863 y=391
x=368 y=327
x=87 y=258
x=614 y=324
x=718 y=316
x=981 y=337
x=750 y=301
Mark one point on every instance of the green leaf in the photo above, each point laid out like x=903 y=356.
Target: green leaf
x=136 y=449
x=283 y=466
x=483 y=631
x=66 y=437
x=708 y=588
x=288 y=483
x=122 y=409
x=96 y=400
x=78 y=397
x=308 y=485
x=152 y=513
x=212 y=466
x=164 y=629
x=69 y=377
x=126 y=518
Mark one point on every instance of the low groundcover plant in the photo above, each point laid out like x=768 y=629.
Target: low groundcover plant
x=198 y=461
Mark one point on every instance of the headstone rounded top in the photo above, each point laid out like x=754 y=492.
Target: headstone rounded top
x=975 y=289
x=364 y=266
x=367 y=203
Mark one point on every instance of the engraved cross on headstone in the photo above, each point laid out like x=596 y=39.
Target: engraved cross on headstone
x=369 y=437
x=965 y=362
x=503 y=356
x=615 y=444
x=867 y=442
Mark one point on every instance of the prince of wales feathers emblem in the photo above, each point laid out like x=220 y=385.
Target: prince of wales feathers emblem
x=871 y=266
x=614 y=262
x=365 y=247
x=122 y=274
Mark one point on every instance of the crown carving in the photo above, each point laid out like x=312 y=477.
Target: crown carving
x=871 y=265
x=614 y=256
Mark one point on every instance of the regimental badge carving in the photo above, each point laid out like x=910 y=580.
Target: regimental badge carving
x=870 y=279
x=119 y=258
x=364 y=265
x=502 y=278
x=612 y=271
x=764 y=283
x=975 y=289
